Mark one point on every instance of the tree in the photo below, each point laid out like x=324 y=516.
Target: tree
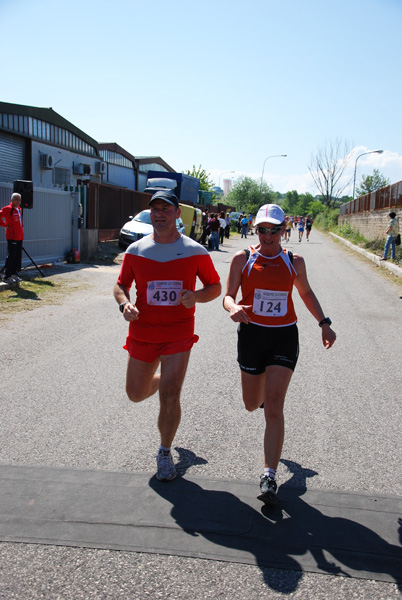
x=299 y=204
x=206 y=184
x=371 y=183
x=247 y=195
x=302 y=206
x=292 y=198
x=314 y=208
x=327 y=168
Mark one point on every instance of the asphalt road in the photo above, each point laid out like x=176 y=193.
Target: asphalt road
x=63 y=405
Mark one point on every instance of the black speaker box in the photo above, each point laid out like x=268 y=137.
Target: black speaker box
x=25 y=188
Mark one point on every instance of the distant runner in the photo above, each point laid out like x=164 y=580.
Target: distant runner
x=309 y=224
x=300 y=228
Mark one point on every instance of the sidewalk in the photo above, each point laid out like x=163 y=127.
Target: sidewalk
x=385 y=264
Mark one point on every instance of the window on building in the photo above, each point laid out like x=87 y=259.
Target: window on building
x=62 y=176
x=42 y=130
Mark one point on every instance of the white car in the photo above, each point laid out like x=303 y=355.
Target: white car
x=139 y=226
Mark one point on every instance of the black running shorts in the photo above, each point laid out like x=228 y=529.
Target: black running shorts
x=260 y=347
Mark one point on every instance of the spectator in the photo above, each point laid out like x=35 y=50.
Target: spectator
x=392 y=234
x=244 y=226
x=222 y=226
x=11 y=220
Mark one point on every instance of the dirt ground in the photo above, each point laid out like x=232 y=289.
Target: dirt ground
x=57 y=282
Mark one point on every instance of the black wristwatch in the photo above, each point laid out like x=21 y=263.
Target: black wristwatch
x=326 y=320
x=122 y=305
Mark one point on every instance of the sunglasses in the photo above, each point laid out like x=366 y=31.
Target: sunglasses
x=272 y=230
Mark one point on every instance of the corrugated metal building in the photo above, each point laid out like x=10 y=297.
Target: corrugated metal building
x=39 y=145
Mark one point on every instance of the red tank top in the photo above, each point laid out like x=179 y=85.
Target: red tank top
x=266 y=285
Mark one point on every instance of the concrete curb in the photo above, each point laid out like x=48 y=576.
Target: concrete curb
x=373 y=257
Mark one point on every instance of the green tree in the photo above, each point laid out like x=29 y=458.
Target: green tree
x=303 y=204
x=371 y=183
x=289 y=206
x=247 y=195
x=206 y=184
x=314 y=208
x=298 y=204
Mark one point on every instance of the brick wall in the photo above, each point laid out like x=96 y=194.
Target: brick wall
x=371 y=224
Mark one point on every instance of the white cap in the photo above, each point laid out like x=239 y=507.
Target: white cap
x=270 y=213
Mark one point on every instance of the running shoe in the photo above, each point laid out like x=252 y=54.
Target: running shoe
x=268 y=490
x=166 y=468
x=8 y=280
x=16 y=278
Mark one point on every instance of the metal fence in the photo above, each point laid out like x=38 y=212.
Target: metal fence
x=384 y=198
x=110 y=207
x=50 y=227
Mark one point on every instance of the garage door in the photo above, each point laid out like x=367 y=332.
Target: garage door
x=12 y=157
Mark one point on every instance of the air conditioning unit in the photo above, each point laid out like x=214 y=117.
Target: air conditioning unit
x=78 y=168
x=100 y=167
x=46 y=161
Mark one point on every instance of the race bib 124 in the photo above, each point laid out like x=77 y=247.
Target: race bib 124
x=269 y=303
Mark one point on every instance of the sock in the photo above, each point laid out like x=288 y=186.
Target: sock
x=270 y=472
x=165 y=450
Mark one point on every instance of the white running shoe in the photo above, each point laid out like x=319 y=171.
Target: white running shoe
x=165 y=464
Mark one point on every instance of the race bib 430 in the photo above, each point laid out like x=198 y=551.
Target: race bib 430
x=164 y=293
x=269 y=303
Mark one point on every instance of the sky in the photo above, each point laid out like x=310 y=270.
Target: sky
x=224 y=84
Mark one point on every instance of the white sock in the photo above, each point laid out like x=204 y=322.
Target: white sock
x=270 y=472
x=164 y=449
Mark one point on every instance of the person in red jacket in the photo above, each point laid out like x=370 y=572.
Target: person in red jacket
x=11 y=219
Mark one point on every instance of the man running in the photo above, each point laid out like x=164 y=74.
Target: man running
x=268 y=344
x=309 y=224
x=300 y=228
x=164 y=267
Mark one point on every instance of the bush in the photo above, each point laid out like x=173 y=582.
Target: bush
x=374 y=246
x=327 y=220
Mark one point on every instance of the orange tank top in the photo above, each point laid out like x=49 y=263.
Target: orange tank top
x=266 y=285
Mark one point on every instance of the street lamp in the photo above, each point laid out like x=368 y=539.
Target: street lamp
x=223 y=173
x=354 y=178
x=263 y=166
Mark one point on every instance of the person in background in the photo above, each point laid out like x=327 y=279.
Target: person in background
x=392 y=234
x=300 y=228
x=309 y=224
x=288 y=229
x=205 y=231
x=244 y=226
x=222 y=226
x=227 y=228
x=250 y=222
x=214 y=227
x=11 y=220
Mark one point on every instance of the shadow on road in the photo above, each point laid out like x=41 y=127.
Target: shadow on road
x=290 y=536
